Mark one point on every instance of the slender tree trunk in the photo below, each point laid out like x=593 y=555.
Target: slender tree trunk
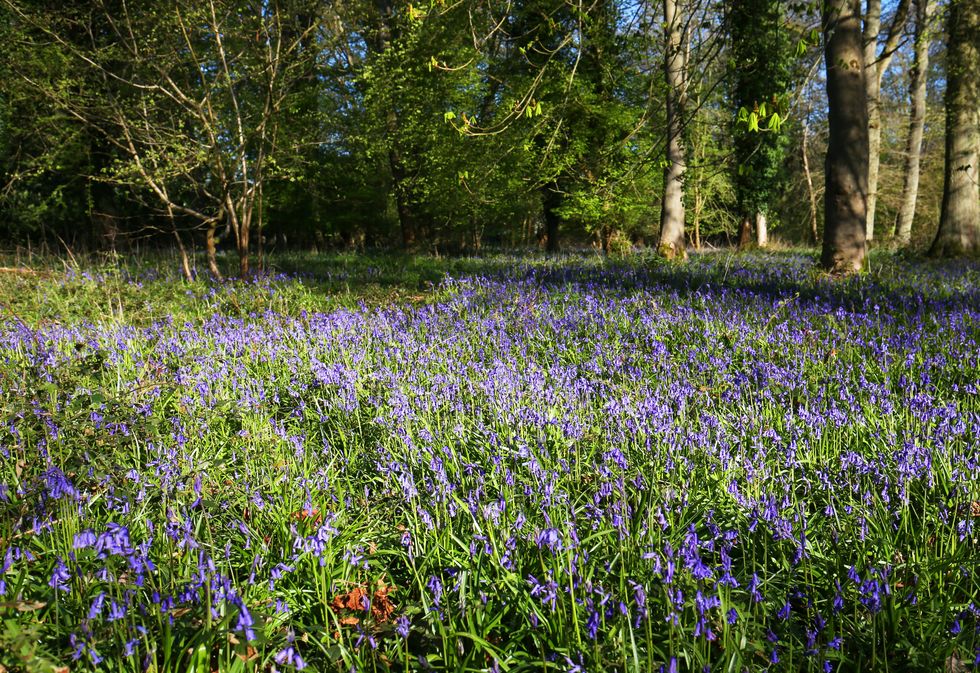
x=744 y=233
x=211 y=248
x=959 y=224
x=243 y=261
x=605 y=236
x=697 y=183
x=185 y=264
x=917 y=119
x=872 y=26
x=672 y=243
x=846 y=168
x=761 y=230
x=385 y=33
x=259 y=221
x=698 y=210
x=398 y=174
x=240 y=229
x=809 y=181
x=876 y=64
x=551 y=199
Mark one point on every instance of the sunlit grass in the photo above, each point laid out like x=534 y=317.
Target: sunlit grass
x=509 y=463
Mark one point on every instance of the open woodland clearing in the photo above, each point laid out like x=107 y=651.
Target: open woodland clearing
x=490 y=335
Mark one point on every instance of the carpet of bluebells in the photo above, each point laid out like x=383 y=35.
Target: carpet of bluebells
x=579 y=464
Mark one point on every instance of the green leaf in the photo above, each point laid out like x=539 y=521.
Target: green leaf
x=753 y=122
x=775 y=122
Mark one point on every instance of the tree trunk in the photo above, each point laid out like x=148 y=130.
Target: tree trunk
x=761 y=230
x=211 y=249
x=243 y=243
x=917 y=119
x=241 y=246
x=259 y=222
x=959 y=224
x=672 y=243
x=872 y=26
x=552 y=222
x=398 y=174
x=876 y=64
x=809 y=182
x=185 y=264
x=744 y=233
x=605 y=236
x=696 y=236
x=846 y=168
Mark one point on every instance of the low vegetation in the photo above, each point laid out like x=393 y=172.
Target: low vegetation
x=501 y=464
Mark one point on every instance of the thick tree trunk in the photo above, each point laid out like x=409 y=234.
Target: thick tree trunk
x=876 y=65
x=672 y=243
x=959 y=224
x=761 y=230
x=846 y=168
x=917 y=119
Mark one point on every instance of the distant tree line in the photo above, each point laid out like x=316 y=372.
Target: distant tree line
x=247 y=125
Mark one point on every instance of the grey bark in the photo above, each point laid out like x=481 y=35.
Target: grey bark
x=846 y=167
x=672 y=243
x=876 y=64
x=761 y=230
x=809 y=179
x=917 y=119
x=959 y=223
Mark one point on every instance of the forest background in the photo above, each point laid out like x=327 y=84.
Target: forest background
x=254 y=125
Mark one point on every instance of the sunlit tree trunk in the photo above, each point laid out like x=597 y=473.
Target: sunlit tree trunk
x=672 y=243
x=811 y=194
x=959 y=224
x=185 y=262
x=876 y=64
x=846 y=168
x=917 y=119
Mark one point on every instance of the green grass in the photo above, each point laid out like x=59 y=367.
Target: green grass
x=521 y=460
